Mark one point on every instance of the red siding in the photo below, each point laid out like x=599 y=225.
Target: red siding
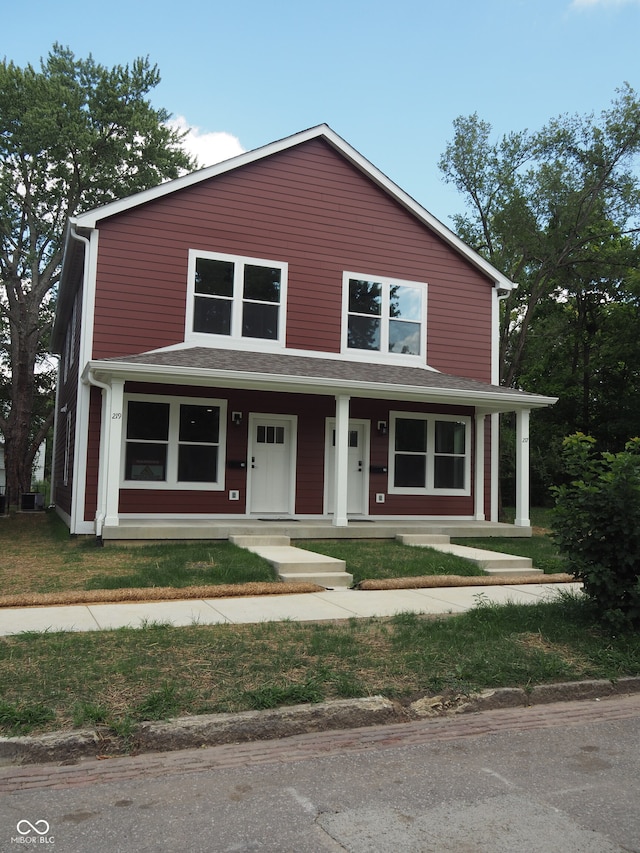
x=312 y=412
x=306 y=206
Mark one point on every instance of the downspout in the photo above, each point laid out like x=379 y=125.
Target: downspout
x=495 y=418
x=102 y=477
x=52 y=476
x=75 y=510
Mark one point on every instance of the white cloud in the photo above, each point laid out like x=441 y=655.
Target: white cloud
x=207 y=147
x=588 y=4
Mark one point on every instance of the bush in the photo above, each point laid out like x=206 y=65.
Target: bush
x=596 y=525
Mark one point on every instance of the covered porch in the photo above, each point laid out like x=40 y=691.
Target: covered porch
x=130 y=530
x=346 y=390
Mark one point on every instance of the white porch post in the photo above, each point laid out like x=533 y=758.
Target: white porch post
x=113 y=451
x=522 y=469
x=341 y=469
x=479 y=472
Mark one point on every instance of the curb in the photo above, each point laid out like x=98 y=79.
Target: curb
x=218 y=729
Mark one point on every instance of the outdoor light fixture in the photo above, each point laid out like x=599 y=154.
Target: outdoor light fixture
x=382 y=427
x=236 y=417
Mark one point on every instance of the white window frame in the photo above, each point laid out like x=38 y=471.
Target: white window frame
x=235 y=339
x=430 y=454
x=172 y=483
x=383 y=354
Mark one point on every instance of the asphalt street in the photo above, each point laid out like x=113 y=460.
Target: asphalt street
x=562 y=777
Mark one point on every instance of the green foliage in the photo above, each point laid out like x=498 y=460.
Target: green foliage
x=19 y=718
x=553 y=210
x=596 y=524
x=73 y=135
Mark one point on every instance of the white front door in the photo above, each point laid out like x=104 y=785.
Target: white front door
x=272 y=464
x=358 y=467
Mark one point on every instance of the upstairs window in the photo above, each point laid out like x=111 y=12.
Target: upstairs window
x=385 y=316
x=234 y=297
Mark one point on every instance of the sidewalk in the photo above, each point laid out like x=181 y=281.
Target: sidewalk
x=306 y=607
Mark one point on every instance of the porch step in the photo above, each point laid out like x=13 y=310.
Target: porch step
x=297 y=564
x=492 y=562
x=329 y=580
x=431 y=539
x=249 y=542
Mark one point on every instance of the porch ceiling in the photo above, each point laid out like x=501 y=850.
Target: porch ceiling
x=310 y=375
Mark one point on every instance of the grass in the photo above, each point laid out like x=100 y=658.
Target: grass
x=126 y=676
x=540 y=549
x=39 y=556
x=373 y=559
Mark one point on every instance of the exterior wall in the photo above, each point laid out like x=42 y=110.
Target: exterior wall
x=306 y=206
x=68 y=379
x=312 y=412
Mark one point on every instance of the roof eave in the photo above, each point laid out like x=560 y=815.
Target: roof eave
x=489 y=401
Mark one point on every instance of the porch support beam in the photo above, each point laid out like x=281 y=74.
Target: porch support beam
x=113 y=450
x=340 y=474
x=522 y=469
x=479 y=467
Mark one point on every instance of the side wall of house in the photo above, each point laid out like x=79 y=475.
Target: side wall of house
x=312 y=209
x=65 y=430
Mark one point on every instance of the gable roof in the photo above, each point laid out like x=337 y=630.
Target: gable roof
x=90 y=219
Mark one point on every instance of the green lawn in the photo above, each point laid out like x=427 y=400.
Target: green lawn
x=373 y=559
x=540 y=549
x=117 y=678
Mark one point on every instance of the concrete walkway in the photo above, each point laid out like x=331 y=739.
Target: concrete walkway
x=305 y=607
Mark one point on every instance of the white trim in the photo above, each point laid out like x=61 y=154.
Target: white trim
x=83 y=392
x=383 y=354
x=493 y=400
x=292 y=420
x=171 y=483
x=429 y=454
x=522 y=469
x=479 y=466
x=495 y=466
x=239 y=261
x=322 y=131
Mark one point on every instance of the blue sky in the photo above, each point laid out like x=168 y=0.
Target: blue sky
x=389 y=77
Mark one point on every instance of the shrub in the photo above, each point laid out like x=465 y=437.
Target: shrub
x=596 y=525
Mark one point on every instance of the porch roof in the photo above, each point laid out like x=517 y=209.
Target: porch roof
x=310 y=375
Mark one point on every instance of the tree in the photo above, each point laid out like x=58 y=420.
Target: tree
x=596 y=525
x=73 y=135
x=544 y=207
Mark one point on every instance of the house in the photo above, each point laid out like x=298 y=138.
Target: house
x=284 y=335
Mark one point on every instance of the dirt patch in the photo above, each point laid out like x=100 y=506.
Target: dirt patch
x=437 y=581
x=102 y=596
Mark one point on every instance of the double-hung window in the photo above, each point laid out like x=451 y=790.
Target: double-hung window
x=174 y=443
x=429 y=454
x=235 y=297
x=383 y=315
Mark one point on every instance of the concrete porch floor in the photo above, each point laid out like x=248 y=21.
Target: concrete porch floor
x=134 y=530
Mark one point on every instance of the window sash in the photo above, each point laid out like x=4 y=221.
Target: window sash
x=173 y=443
x=384 y=315
x=429 y=454
x=236 y=298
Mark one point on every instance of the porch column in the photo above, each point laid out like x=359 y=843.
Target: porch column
x=522 y=469
x=113 y=450
x=341 y=470
x=479 y=466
